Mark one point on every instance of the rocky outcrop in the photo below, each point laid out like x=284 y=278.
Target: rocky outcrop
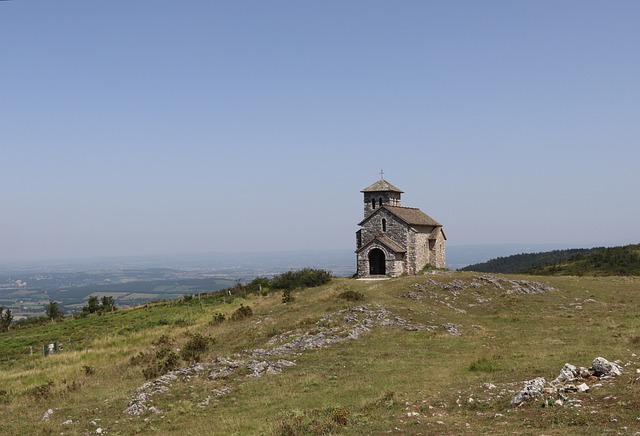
x=340 y=326
x=532 y=389
x=568 y=381
x=602 y=367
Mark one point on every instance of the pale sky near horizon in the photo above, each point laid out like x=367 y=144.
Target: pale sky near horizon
x=154 y=127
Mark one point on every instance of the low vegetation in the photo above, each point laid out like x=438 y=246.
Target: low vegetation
x=442 y=354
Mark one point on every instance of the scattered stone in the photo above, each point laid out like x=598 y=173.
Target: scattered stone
x=583 y=387
x=260 y=368
x=412 y=296
x=532 y=389
x=352 y=323
x=516 y=286
x=452 y=329
x=68 y=422
x=220 y=372
x=455 y=284
x=221 y=391
x=602 y=367
x=567 y=373
x=47 y=415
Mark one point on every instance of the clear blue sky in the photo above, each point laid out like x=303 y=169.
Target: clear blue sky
x=151 y=127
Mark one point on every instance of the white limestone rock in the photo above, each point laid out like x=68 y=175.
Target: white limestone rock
x=532 y=389
x=602 y=366
x=568 y=373
x=583 y=388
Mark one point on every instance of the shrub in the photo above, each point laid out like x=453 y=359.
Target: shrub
x=159 y=361
x=43 y=391
x=241 y=313
x=304 y=278
x=5 y=398
x=195 y=347
x=286 y=296
x=341 y=416
x=351 y=295
x=88 y=370
x=218 y=318
x=259 y=285
x=5 y=319
x=53 y=311
x=158 y=367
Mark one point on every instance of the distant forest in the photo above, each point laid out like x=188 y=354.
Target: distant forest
x=600 y=261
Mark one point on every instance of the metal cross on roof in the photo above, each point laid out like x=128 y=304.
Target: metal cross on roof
x=381 y=174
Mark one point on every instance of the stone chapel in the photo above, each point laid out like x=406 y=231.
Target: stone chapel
x=393 y=239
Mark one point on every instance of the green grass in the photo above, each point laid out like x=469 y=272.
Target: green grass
x=389 y=380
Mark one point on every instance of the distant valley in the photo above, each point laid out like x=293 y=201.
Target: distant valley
x=26 y=287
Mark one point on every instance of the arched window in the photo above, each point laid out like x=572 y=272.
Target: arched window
x=373 y=203
x=380 y=202
x=384 y=225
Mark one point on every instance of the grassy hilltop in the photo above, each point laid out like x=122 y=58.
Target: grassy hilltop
x=440 y=353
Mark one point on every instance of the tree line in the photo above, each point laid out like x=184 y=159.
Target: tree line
x=602 y=261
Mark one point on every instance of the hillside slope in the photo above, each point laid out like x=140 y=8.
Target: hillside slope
x=600 y=261
x=442 y=353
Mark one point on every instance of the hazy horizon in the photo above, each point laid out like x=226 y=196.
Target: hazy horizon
x=150 y=128
x=458 y=256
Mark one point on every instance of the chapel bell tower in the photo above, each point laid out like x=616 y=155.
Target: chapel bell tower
x=381 y=193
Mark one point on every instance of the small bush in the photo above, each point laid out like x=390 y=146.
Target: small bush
x=351 y=295
x=304 y=278
x=195 y=347
x=88 y=370
x=218 y=318
x=158 y=367
x=5 y=398
x=241 y=313
x=43 y=391
x=159 y=361
x=427 y=267
x=287 y=297
x=163 y=341
x=341 y=416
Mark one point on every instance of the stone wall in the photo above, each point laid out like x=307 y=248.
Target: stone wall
x=394 y=265
x=389 y=198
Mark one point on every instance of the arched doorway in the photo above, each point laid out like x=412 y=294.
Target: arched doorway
x=376 y=262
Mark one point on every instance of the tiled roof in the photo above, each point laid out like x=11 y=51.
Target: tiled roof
x=435 y=231
x=386 y=241
x=412 y=216
x=381 y=186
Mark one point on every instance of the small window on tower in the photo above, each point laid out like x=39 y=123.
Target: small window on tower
x=380 y=202
x=384 y=225
x=373 y=203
